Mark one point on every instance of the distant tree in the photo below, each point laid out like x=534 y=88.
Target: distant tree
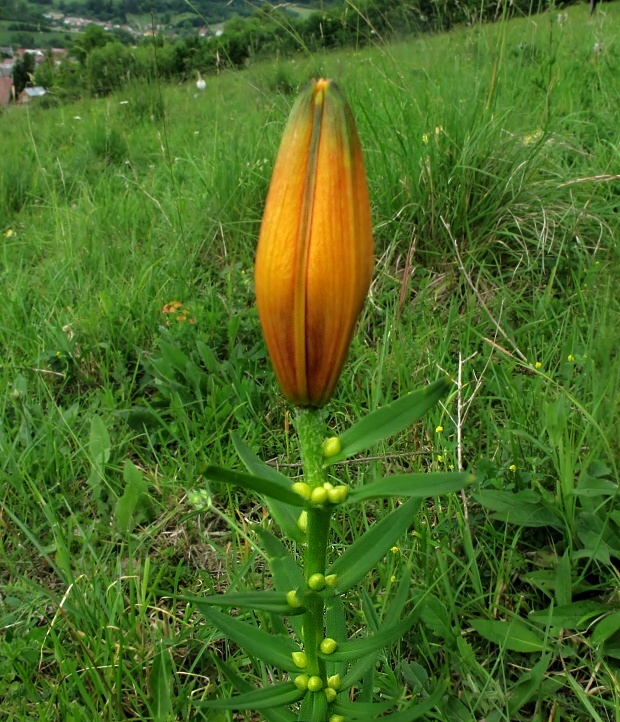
x=23 y=70
x=93 y=37
x=23 y=40
x=44 y=74
x=110 y=67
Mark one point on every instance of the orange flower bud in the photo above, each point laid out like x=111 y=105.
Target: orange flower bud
x=315 y=255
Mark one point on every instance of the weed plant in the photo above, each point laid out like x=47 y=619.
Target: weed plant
x=129 y=346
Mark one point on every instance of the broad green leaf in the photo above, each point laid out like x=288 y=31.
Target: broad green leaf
x=556 y=418
x=367 y=550
x=598 y=538
x=285 y=516
x=522 y=508
x=271 y=649
x=160 y=685
x=98 y=448
x=389 y=420
x=606 y=628
x=435 y=616
x=135 y=488
x=265 y=601
x=357 y=648
x=576 y=615
x=264 y=698
x=599 y=469
x=513 y=635
x=412 y=485
x=268 y=487
x=592 y=487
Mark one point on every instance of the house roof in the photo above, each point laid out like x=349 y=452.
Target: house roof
x=35 y=92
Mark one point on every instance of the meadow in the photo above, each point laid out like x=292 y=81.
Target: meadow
x=130 y=348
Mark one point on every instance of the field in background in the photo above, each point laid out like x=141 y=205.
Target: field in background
x=130 y=346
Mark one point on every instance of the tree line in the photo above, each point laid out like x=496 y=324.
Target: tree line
x=105 y=65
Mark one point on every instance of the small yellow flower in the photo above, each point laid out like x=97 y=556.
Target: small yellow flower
x=438 y=429
x=571 y=357
x=534 y=137
x=439 y=458
x=394 y=550
x=538 y=365
x=425 y=138
x=9 y=233
x=512 y=468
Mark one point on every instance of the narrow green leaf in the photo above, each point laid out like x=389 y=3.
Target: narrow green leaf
x=514 y=635
x=420 y=709
x=264 y=698
x=412 y=485
x=389 y=420
x=271 y=649
x=357 y=648
x=268 y=487
x=564 y=580
x=359 y=670
x=366 y=551
x=284 y=516
x=266 y=601
x=313 y=708
x=273 y=714
x=335 y=628
x=286 y=574
x=364 y=710
x=160 y=686
x=528 y=684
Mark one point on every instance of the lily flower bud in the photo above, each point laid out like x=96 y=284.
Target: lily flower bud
x=315 y=255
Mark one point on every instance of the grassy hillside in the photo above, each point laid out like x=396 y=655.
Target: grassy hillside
x=130 y=346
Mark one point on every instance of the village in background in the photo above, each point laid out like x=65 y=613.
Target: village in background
x=28 y=36
x=51 y=55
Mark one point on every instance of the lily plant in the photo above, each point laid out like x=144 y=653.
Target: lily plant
x=314 y=265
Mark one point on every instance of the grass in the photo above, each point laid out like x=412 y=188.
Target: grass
x=493 y=157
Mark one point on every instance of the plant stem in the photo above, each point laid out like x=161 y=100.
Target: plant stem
x=311 y=430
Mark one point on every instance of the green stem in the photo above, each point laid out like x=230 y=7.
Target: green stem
x=312 y=430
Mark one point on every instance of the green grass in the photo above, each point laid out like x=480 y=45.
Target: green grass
x=493 y=157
